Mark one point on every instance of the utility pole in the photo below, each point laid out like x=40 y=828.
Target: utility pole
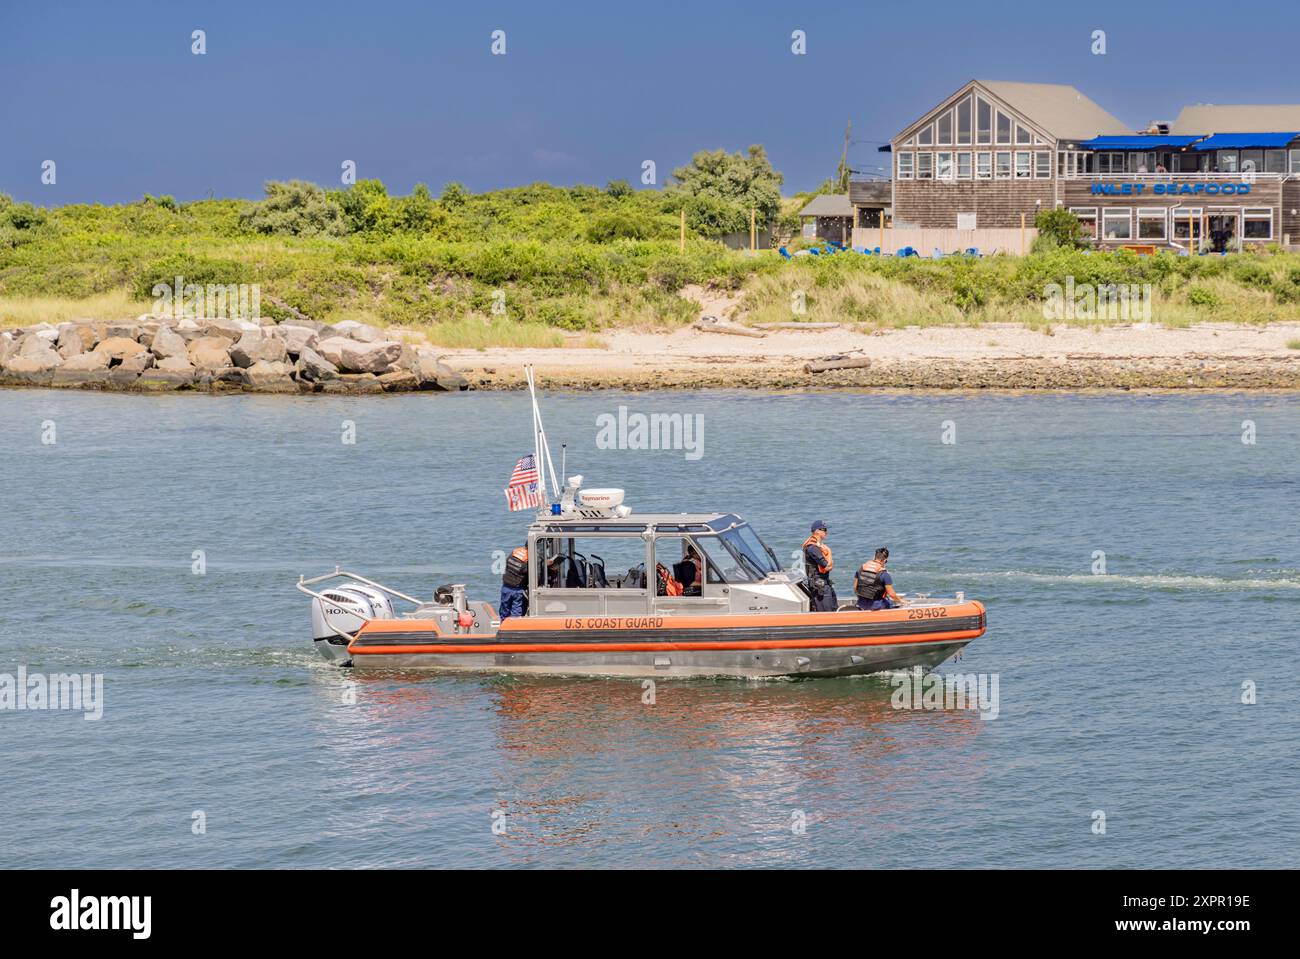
x=842 y=174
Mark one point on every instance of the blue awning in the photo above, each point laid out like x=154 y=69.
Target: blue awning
x=1237 y=141
x=1140 y=142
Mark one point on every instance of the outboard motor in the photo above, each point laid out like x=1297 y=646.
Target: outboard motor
x=347 y=608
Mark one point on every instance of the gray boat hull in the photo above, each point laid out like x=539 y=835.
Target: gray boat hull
x=742 y=664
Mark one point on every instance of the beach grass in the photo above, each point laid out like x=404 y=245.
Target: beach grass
x=521 y=268
x=28 y=310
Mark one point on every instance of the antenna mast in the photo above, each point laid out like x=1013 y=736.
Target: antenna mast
x=540 y=446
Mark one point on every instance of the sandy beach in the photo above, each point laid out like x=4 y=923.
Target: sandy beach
x=1210 y=356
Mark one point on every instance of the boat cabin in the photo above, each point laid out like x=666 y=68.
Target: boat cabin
x=609 y=566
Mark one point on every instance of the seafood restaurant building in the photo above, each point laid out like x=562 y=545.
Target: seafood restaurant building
x=989 y=157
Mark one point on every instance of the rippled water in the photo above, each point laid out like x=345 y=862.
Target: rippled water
x=1119 y=693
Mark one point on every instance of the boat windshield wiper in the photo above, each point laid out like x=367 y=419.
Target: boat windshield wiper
x=753 y=567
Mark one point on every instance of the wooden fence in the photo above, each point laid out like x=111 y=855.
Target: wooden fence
x=925 y=242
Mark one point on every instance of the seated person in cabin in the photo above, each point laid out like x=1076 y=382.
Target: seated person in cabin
x=689 y=572
x=665 y=585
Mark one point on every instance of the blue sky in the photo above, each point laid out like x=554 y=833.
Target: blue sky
x=585 y=92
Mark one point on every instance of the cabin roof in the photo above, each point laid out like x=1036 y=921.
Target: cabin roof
x=636 y=520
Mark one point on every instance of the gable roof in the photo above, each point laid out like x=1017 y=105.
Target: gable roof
x=828 y=204
x=1057 y=108
x=1206 y=118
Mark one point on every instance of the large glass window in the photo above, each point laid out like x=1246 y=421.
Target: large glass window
x=593 y=562
x=925 y=166
x=925 y=136
x=1088 y=219
x=1117 y=223
x=963 y=121
x=1252 y=161
x=1043 y=165
x=1187 y=223
x=1022 y=164
x=1257 y=224
x=1295 y=161
x=963 y=165
x=1110 y=163
x=1227 y=161
x=944 y=126
x=984 y=122
x=1151 y=224
x=905 y=166
x=984 y=165
x=1023 y=135
x=1004 y=166
x=943 y=166
x=1004 y=128
x=1274 y=161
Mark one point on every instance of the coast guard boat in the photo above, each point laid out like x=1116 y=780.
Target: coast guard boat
x=746 y=617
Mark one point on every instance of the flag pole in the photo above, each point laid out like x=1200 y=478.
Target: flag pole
x=540 y=445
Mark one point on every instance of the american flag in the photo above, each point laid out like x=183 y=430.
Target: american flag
x=523 y=491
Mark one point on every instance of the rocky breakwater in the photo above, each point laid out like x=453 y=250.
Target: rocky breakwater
x=159 y=353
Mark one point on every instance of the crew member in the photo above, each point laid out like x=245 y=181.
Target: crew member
x=874 y=586
x=514 y=584
x=817 y=566
x=690 y=572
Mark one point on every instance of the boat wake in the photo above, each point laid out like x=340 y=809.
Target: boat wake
x=1158 y=581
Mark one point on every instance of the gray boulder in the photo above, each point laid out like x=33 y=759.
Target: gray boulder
x=434 y=375
x=230 y=329
x=295 y=338
x=70 y=343
x=85 y=362
x=360 y=332
x=137 y=362
x=371 y=357
x=160 y=381
x=267 y=376
x=119 y=347
x=315 y=368
x=255 y=348
x=210 y=352
x=399 y=381
x=175 y=364
x=354 y=383
x=167 y=344
x=79 y=379
x=34 y=356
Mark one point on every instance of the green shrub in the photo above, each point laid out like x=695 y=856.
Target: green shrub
x=1201 y=296
x=191 y=269
x=1058 y=227
x=296 y=208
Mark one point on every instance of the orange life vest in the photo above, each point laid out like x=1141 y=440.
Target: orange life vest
x=516 y=574
x=826 y=551
x=671 y=586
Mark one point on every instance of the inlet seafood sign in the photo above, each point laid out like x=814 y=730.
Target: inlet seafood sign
x=1171 y=189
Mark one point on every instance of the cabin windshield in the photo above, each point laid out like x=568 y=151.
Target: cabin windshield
x=750 y=558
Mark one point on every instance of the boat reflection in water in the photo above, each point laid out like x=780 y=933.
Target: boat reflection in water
x=724 y=773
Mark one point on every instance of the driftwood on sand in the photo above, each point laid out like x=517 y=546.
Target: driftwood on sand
x=840 y=362
x=712 y=324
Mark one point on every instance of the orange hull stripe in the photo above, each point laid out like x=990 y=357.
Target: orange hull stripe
x=655 y=647
x=524 y=624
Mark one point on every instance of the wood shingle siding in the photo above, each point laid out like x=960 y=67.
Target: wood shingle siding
x=995 y=203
